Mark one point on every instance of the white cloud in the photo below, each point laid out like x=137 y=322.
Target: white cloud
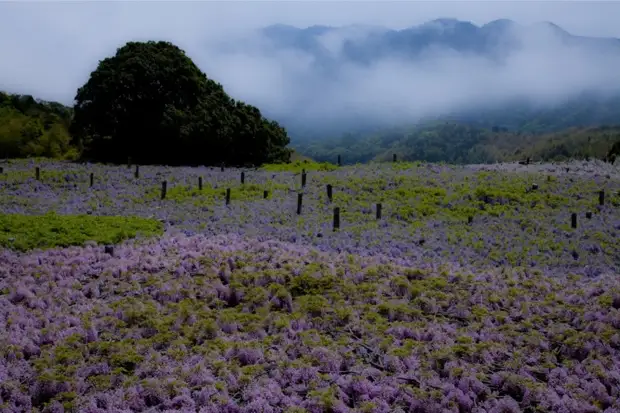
x=49 y=49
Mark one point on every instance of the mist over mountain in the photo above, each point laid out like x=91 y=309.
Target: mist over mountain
x=322 y=81
x=345 y=67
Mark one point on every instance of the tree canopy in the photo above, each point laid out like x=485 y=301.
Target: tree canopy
x=30 y=127
x=150 y=102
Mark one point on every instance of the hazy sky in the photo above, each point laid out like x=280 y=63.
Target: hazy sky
x=48 y=49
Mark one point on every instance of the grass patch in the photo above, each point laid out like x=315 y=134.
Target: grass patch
x=26 y=232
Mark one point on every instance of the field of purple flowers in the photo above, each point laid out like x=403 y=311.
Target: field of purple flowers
x=471 y=293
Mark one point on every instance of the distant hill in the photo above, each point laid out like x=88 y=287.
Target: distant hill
x=463 y=144
x=519 y=117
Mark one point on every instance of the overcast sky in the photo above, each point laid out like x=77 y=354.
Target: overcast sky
x=48 y=49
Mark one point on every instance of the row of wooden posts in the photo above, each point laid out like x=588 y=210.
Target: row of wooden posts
x=336 y=220
x=329 y=188
x=378 y=206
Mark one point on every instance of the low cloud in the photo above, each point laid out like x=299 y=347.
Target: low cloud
x=543 y=70
x=49 y=49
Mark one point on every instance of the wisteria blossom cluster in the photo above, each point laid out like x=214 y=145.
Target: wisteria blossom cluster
x=232 y=324
x=472 y=216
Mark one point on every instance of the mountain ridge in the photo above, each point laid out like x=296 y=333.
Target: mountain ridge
x=497 y=43
x=460 y=35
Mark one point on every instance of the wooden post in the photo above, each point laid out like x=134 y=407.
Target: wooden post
x=379 y=206
x=242 y=177
x=303 y=178
x=534 y=187
x=394 y=158
x=329 y=192
x=37 y=173
x=200 y=183
x=573 y=220
x=137 y=173
x=339 y=161
x=1 y=170
x=336 y=218
x=299 y=201
x=92 y=179
x=164 y=188
x=470 y=219
x=222 y=167
x=265 y=194
x=227 y=196
x=589 y=215
x=601 y=197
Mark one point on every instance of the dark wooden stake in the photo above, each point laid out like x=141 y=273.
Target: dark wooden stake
x=336 y=218
x=227 y=196
x=534 y=187
x=222 y=167
x=601 y=197
x=573 y=220
x=1 y=170
x=394 y=158
x=242 y=177
x=470 y=219
x=303 y=178
x=200 y=183
x=589 y=215
x=329 y=192
x=92 y=179
x=339 y=161
x=37 y=173
x=164 y=188
x=299 y=201
x=379 y=206
x=265 y=194
x=137 y=173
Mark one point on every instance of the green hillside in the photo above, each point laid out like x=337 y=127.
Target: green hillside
x=30 y=127
x=462 y=144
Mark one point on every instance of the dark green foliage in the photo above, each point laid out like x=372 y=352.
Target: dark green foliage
x=29 y=127
x=150 y=102
x=614 y=152
x=461 y=143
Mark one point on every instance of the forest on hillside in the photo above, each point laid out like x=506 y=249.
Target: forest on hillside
x=465 y=144
x=31 y=127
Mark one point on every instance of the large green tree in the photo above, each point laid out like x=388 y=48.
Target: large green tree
x=150 y=102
